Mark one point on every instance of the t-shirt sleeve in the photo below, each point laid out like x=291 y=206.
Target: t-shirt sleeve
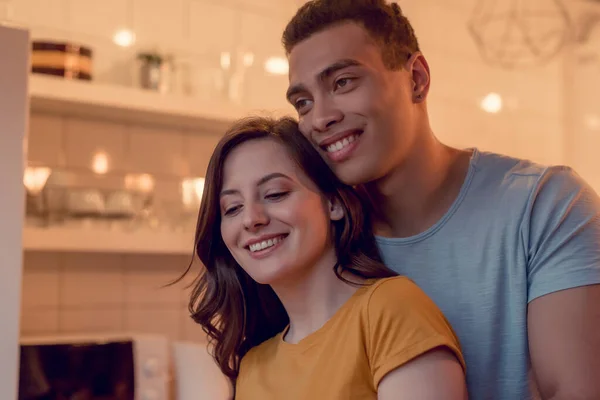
x=404 y=323
x=562 y=233
x=244 y=387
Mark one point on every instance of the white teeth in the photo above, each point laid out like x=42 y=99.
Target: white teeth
x=265 y=244
x=340 y=144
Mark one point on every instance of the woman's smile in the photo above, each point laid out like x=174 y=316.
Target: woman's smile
x=264 y=247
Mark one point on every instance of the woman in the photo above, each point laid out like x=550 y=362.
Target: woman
x=294 y=296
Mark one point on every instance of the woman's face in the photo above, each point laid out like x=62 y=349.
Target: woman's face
x=274 y=220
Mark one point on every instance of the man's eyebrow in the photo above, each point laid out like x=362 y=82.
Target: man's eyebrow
x=323 y=75
x=336 y=66
x=294 y=90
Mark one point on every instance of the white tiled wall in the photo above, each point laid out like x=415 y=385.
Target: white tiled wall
x=530 y=123
x=71 y=292
x=63 y=141
x=583 y=126
x=582 y=100
x=91 y=293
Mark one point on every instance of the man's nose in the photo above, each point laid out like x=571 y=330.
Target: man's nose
x=325 y=114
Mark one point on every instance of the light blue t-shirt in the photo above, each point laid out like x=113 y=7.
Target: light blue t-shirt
x=517 y=231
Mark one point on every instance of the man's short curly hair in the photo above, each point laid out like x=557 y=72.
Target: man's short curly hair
x=384 y=22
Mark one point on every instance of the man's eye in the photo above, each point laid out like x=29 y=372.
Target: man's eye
x=301 y=104
x=342 y=82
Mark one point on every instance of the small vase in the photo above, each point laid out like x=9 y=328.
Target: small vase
x=150 y=76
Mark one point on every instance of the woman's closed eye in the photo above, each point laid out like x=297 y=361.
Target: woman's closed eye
x=231 y=210
x=272 y=196
x=275 y=196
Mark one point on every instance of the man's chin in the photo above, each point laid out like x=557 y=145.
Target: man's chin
x=351 y=176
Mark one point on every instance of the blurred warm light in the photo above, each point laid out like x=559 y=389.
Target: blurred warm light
x=593 y=122
x=139 y=182
x=100 y=163
x=191 y=190
x=492 y=103
x=35 y=179
x=124 y=38
x=248 y=59
x=225 y=60
x=277 y=66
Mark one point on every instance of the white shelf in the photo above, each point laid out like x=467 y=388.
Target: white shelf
x=119 y=103
x=91 y=99
x=82 y=239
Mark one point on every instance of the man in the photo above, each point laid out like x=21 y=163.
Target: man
x=510 y=250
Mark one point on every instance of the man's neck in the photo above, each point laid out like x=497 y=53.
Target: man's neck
x=418 y=193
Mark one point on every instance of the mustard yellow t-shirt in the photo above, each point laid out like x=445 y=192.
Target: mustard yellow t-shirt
x=381 y=327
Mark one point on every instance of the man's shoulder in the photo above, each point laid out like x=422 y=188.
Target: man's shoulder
x=506 y=167
x=501 y=175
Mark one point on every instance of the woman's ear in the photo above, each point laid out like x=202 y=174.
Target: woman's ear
x=336 y=211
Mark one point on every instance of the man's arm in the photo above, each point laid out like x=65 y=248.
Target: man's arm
x=563 y=235
x=564 y=340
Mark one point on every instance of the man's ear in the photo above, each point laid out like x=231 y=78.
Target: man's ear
x=336 y=211
x=420 y=75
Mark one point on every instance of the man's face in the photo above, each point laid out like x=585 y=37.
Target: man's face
x=356 y=112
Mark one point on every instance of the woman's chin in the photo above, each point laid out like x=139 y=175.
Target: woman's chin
x=272 y=277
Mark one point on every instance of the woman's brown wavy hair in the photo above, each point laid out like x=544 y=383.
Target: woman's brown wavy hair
x=236 y=312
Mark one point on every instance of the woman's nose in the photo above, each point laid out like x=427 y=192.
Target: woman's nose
x=255 y=217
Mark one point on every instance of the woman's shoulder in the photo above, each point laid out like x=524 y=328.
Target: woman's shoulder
x=399 y=319
x=397 y=288
x=399 y=300
x=264 y=350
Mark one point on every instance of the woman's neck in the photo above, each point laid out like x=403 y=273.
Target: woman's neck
x=312 y=299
